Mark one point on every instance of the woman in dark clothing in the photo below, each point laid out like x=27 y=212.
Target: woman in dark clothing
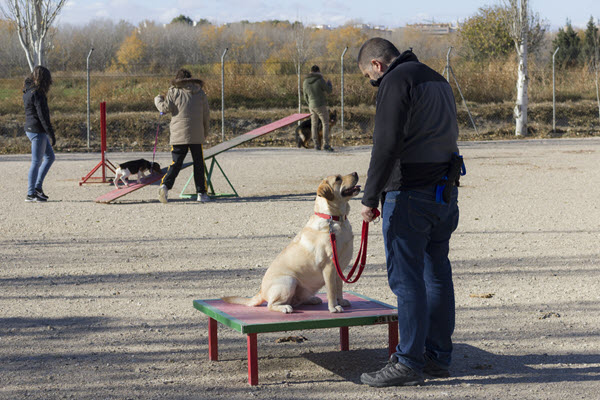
x=39 y=130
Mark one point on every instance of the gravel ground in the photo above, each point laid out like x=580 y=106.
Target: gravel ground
x=96 y=300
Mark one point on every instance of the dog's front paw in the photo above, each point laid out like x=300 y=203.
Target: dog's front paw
x=284 y=308
x=344 y=303
x=336 y=309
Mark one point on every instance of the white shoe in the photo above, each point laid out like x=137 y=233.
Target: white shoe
x=203 y=198
x=163 y=192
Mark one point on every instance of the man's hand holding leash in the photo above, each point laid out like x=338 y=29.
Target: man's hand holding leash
x=369 y=214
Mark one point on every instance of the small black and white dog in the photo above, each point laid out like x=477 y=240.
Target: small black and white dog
x=135 y=167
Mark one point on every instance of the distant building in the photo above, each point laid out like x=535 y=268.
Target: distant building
x=434 y=28
x=325 y=27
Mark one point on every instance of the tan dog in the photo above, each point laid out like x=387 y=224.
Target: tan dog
x=305 y=265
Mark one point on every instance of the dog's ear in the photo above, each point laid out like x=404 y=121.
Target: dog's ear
x=325 y=191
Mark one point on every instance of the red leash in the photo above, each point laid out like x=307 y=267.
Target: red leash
x=362 y=252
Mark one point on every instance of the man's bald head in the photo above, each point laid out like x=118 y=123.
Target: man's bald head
x=376 y=49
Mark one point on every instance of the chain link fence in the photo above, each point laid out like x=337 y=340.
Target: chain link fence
x=256 y=93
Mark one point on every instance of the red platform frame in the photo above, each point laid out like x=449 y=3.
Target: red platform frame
x=254 y=320
x=104 y=163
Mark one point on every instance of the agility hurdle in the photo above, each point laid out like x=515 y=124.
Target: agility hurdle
x=104 y=163
x=210 y=153
x=254 y=320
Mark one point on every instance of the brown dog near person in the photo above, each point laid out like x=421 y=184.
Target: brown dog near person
x=304 y=130
x=305 y=265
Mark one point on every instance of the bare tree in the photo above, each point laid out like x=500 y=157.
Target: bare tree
x=32 y=20
x=301 y=54
x=518 y=24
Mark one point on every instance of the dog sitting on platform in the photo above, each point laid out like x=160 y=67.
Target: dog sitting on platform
x=304 y=130
x=138 y=167
x=305 y=265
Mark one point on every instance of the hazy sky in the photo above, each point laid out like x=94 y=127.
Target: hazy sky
x=331 y=12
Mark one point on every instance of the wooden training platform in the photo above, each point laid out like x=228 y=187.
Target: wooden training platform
x=208 y=154
x=254 y=320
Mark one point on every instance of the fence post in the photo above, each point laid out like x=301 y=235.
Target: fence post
x=554 y=93
x=342 y=99
x=223 y=95
x=88 y=96
x=298 y=69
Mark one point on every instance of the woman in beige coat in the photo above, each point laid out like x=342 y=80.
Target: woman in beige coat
x=188 y=105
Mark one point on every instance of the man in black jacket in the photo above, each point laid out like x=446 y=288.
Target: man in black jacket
x=414 y=139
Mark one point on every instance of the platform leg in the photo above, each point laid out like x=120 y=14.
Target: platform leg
x=252 y=360
x=213 y=342
x=344 y=339
x=392 y=337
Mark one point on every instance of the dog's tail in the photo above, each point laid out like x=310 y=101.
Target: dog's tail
x=245 y=301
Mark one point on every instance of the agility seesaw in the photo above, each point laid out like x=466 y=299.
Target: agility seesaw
x=210 y=153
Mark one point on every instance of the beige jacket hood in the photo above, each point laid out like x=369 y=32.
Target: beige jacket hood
x=188 y=105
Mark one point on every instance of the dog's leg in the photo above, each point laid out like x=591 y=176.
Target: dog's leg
x=116 y=181
x=299 y=138
x=124 y=177
x=340 y=292
x=330 y=275
x=280 y=294
x=141 y=176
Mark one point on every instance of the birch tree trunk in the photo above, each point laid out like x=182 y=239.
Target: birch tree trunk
x=522 y=103
x=518 y=22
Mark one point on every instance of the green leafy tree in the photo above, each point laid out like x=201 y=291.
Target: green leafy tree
x=590 y=42
x=182 y=19
x=570 y=46
x=484 y=35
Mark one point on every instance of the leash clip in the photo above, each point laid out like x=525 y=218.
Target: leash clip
x=331 y=225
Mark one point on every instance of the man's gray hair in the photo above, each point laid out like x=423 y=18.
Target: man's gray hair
x=377 y=49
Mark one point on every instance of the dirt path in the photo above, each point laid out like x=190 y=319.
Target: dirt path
x=96 y=300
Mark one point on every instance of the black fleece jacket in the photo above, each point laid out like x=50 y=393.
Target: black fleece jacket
x=415 y=129
x=37 y=114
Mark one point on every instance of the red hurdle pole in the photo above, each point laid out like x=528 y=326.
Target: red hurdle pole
x=103 y=137
x=104 y=163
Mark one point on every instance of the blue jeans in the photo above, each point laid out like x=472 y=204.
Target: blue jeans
x=416 y=232
x=42 y=157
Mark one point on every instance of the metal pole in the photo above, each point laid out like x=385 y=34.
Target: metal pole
x=88 y=97
x=298 y=70
x=554 y=93
x=448 y=64
x=223 y=95
x=449 y=71
x=342 y=73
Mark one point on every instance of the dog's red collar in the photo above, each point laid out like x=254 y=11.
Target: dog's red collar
x=333 y=217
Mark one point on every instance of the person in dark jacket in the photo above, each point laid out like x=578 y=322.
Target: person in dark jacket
x=315 y=94
x=39 y=131
x=414 y=139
